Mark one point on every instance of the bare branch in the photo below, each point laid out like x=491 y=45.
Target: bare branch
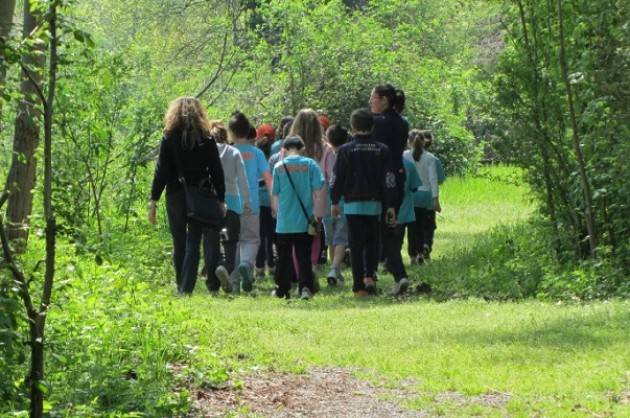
x=219 y=69
x=40 y=93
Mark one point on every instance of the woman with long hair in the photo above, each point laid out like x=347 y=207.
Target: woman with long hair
x=308 y=127
x=187 y=143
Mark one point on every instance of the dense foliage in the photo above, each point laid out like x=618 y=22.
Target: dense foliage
x=562 y=97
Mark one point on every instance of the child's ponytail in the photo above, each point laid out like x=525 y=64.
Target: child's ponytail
x=416 y=141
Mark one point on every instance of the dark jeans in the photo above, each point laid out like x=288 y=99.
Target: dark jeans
x=363 y=231
x=212 y=245
x=392 y=243
x=186 y=242
x=286 y=243
x=265 y=253
x=421 y=232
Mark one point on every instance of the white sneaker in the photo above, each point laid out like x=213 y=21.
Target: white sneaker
x=332 y=278
x=306 y=294
x=400 y=287
x=224 y=278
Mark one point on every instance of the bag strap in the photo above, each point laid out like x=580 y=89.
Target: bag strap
x=178 y=164
x=286 y=169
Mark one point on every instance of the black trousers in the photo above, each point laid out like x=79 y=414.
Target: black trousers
x=421 y=232
x=285 y=243
x=363 y=232
x=265 y=253
x=186 y=242
x=212 y=245
x=392 y=242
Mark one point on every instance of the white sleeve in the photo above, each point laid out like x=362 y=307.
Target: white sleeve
x=433 y=178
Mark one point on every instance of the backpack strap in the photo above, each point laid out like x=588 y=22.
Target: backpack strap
x=304 y=211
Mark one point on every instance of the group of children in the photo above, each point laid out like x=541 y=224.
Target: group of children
x=283 y=186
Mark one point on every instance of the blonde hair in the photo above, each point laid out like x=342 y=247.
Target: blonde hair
x=186 y=114
x=218 y=131
x=306 y=125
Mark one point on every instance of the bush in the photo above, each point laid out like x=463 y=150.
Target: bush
x=517 y=262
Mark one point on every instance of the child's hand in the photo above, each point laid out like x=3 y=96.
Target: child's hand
x=390 y=217
x=436 y=205
x=335 y=211
x=152 y=213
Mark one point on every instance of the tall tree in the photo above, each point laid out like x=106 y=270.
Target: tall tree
x=577 y=146
x=37 y=314
x=21 y=179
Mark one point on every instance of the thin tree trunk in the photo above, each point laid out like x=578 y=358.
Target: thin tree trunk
x=586 y=187
x=37 y=352
x=7 y=10
x=21 y=179
x=545 y=140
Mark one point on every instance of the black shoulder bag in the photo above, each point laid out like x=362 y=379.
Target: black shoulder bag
x=202 y=203
x=314 y=227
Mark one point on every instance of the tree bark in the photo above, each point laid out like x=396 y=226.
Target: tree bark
x=584 y=182
x=38 y=344
x=7 y=10
x=21 y=179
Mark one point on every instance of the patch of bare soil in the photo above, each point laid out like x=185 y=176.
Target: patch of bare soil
x=322 y=392
x=492 y=399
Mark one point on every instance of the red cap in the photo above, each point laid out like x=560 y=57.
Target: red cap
x=265 y=130
x=324 y=121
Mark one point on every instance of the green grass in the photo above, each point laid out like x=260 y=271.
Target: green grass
x=549 y=359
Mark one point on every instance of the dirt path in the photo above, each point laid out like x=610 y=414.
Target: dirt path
x=322 y=392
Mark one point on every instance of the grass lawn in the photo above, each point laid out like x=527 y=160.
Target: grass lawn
x=543 y=359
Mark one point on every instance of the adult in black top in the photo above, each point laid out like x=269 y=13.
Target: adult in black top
x=187 y=137
x=391 y=129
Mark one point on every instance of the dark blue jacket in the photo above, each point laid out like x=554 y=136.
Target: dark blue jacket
x=392 y=129
x=363 y=173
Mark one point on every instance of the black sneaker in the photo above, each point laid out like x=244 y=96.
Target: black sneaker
x=426 y=253
x=423 y=288
x=370 y=285
x=246 y=276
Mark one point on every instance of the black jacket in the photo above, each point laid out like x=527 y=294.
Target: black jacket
x=201 y=162
x=363 y=172
x=392 y=129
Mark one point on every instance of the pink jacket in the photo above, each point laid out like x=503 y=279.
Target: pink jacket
x=321 y=199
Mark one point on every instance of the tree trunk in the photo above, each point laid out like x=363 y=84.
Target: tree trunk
x=586 y=186
x=36 y=375
x=7 y=10
x=38 y=347
x=21 y=179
